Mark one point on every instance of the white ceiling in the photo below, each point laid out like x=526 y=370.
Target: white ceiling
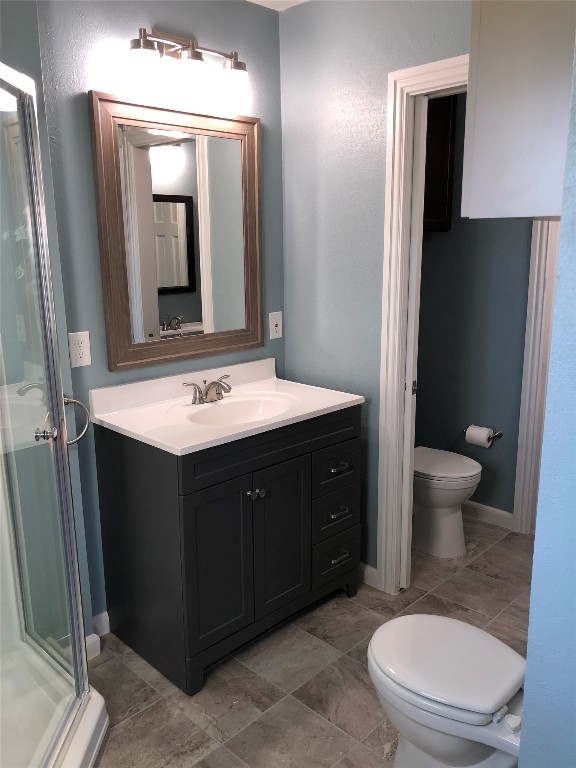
x=277 y=5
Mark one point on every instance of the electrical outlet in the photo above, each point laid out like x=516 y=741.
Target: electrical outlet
x=79 y=344
x=275 y=319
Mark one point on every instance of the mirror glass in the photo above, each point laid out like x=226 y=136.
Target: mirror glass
x=184 y=228
x=179 y=225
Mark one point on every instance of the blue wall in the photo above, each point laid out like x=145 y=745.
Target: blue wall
x=68 y=31
x=474 y=295
x=548 y=731
x=335 y=59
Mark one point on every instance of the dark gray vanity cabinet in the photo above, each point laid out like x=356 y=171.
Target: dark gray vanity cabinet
x=205 y=552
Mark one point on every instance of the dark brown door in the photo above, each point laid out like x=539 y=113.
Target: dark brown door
x=218 y=561
x=282 y=529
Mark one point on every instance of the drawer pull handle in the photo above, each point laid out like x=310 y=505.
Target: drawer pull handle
x=338 y=515
x=337 y=560
x=342 y=468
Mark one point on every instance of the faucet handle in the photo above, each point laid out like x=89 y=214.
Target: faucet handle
x=223 y=385
x=197 y=396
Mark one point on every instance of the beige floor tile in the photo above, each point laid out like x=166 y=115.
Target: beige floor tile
x=110 y=646
x=360 y=652
x=360 y=757
x=221 y=758
x=288 y=657
x=125 y=692
x=340 y=622
x=383 y=741
x=428 y=572
x=513 y=636
x=439 y=606
x=385 y=604
x=343 y=693
x=232 y=697
x=518 y=612
x=158 y=737
x=290 y=736
x=148 y=673
x=510 y=560
x=478 y=592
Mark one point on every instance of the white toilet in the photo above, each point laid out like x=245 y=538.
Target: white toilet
x=442 y=481
x=453 y=692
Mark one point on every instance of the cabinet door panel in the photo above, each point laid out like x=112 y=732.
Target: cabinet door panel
x=218 y=561
x=282 y=532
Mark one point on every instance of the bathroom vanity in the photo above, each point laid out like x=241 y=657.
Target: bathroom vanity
x=221 y=520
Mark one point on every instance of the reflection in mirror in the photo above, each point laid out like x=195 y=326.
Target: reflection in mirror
x=141 y=152
x=180 y=188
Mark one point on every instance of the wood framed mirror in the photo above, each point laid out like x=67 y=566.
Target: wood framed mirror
x=144 y=151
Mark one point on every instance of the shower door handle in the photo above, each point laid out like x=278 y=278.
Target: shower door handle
x=73 y=401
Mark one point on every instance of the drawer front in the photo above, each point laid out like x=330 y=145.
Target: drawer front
x=335 y=512
x=203 y=469
x=335 y=467
x=335 y=556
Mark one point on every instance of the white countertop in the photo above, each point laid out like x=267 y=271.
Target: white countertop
x=159 y=412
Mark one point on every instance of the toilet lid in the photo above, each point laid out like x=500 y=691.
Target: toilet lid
x=448 y=661
x=432 y=463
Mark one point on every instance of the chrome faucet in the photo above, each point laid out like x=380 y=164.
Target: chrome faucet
x=34 y=385
x=211 y=393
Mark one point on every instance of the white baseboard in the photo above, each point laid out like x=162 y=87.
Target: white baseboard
x=488 y=514
x=92 y=646
x=368 y=575
x=101 y=623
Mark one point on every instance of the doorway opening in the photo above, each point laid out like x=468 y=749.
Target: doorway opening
x=409 y=92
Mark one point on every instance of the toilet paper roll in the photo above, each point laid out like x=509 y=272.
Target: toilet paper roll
x=481 y=436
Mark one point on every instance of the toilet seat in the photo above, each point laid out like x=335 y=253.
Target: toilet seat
x=433 y=464
x=446 y=667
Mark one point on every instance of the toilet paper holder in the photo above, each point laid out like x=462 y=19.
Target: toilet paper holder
x=497 y=434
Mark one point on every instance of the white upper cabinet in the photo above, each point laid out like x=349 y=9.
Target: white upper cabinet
x=521 y=57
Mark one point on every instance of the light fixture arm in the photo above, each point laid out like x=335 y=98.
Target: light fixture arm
x=177 y=44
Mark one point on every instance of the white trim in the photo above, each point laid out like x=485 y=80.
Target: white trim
x=448 y=76
x=101 y=623
x=487 y=514
x=543 y=263
x=206 y=291
x=368 y=575
x=92 y=646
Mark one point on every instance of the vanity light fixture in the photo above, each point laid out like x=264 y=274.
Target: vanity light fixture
x=159 y=44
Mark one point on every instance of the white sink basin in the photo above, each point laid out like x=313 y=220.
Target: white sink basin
x=159 y=412
x=235 y=409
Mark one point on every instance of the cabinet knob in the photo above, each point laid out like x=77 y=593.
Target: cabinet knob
x=252 y=494
x=261 y=492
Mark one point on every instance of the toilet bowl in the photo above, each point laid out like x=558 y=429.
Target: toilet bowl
x=453 y=692
x=442 y=481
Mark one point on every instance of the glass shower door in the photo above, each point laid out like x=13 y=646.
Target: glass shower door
x=42 y=662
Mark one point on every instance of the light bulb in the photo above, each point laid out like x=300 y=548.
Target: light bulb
x=166 y=163
x=236 y=91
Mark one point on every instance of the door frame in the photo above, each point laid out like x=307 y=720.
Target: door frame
x=403 y=178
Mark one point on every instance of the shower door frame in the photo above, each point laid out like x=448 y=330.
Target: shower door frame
x=23 y=88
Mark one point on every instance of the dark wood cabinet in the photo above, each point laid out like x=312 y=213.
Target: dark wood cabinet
x=282 y=533
x=204 y=552
x=218 y=561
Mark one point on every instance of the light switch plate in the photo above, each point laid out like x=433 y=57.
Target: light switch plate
x=275 y=319
x=79 y=344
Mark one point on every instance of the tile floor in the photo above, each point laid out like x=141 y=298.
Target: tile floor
x=301 y=697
